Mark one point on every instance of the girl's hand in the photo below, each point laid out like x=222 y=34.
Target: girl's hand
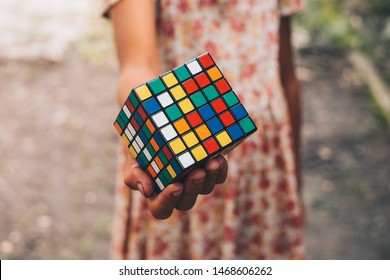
x=179 y=195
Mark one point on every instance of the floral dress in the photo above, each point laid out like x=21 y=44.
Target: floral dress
x=256 y=214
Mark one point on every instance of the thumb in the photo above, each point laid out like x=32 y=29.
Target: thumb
x=136 y=179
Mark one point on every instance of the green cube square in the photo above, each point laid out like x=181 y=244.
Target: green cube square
x=123 y=116
x=166 y=174
x=210 y=92
x=150 y=150
x=163 y=179
x=163 y=158
x=198 y=99
x=121 y=122
x=133 y=100
x=173 y=112
x=144 y=160
x=157 y=86
x=230 y=98
x=247 y=125
x=146 y=131
x=182 y=73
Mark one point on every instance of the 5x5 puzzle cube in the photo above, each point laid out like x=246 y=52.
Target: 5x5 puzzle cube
x=181 y=119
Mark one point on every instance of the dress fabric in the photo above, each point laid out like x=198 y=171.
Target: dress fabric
x=256 y=214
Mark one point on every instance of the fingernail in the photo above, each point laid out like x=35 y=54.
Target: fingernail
x=214 y=166
x=140 y=187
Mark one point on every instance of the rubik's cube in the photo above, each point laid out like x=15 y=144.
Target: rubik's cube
x=181 y=119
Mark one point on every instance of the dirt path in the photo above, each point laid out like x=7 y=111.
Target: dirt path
x=57 y=161
x=346 y=164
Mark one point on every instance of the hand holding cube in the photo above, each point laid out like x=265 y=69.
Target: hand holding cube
x=174 y=124
x=178 y=195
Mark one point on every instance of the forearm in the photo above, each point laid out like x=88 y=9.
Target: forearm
x=290 y=86
x=132 y=76
x=136 y=47
x=293 y=98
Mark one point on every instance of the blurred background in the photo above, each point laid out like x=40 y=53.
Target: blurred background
x=58 y=152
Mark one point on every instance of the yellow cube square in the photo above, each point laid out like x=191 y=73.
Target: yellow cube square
x=125 y=139
x=199 y=153
x=133 y=152
x=171 y=171
x=224 y=139
x=170 y=80
x=190 y=139
x=186 y=105
x=177 y=146
x=143 y=92
x=178 y=92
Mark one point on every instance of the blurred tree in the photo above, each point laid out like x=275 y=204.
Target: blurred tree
x=346 y=24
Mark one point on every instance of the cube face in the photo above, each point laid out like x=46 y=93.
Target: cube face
x=181 y=119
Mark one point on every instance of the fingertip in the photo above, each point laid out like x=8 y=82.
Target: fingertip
x=213 y=165
x=223 y=170
x=144 y=183
x=147 y=189
x=197 y=174
x=221 y=159
x=175 y=189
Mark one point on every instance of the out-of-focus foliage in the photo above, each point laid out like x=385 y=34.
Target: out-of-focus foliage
x=347 y=24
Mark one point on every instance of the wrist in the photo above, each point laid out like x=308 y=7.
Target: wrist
x=132 y=77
